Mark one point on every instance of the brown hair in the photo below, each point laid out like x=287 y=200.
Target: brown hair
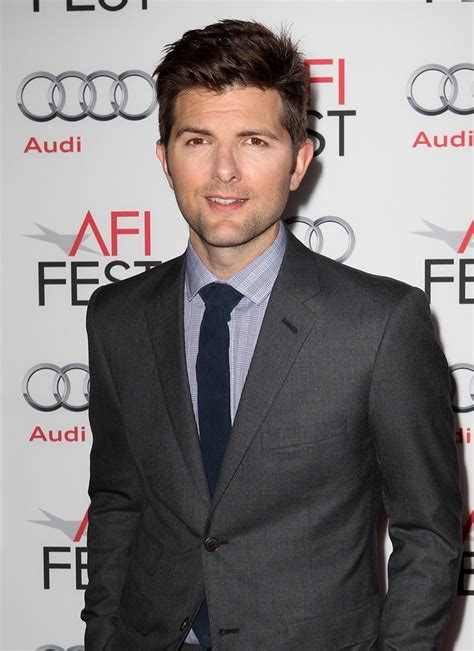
x=234 y=53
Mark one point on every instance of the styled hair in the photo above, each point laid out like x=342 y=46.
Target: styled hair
x=234 y=53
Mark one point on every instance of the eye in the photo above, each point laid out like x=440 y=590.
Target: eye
x=194 y=142
x=257 y=142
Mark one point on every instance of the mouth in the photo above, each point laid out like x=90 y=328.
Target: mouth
x=225 y=205
x=226 y=201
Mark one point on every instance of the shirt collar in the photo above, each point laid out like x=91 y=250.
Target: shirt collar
x=255 y=281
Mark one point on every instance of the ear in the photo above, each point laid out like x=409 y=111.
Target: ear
x=161 y=153
x=303 y=159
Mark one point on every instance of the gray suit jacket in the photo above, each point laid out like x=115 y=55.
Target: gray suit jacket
x=346 y=404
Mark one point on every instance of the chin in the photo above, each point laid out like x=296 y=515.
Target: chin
x=226 y=236
x=225 y=241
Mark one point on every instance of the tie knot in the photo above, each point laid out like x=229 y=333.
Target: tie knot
x=220 y=295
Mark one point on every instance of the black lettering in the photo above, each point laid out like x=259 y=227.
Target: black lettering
x=435 y=279
x=341 y=115
x=81 y=567
x=146 y=264
x=465 y=571
x=105 y=4
x=314 y=134
x=42 y=281
x=463 y=280
x=75 y=281
x=47 y=565
x=110 y=266
x=70 y=6
x=108 y=7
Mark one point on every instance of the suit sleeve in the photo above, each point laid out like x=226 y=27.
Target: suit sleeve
x=115 y=495
x=411 y=420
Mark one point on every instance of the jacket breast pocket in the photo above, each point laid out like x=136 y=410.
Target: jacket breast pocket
x=302 y=436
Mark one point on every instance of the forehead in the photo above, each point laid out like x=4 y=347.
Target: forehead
x=248 y=107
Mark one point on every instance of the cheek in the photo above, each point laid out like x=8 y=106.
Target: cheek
x=187 y=181
x=273 y=184
x=187 y=170
x=272 y=171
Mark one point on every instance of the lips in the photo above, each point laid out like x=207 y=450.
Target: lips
x=226 y=201
x=225 y=205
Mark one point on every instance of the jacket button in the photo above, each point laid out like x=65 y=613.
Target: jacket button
x=184 y=624
x=212 y=544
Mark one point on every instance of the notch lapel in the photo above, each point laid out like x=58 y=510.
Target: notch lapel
x=286 y=325
x=166 y=330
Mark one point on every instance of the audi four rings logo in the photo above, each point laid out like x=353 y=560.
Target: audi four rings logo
x=314 y=239
x=464 y=386
x=87 y=96
x=448 y=87
x=61 y=387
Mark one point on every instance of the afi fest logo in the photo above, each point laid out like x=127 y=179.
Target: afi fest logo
x=328 y=73
x=76 y=276
x=65 y=558
x=434 y=89
x=460 y=242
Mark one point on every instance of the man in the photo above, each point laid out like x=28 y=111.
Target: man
x=252 y=403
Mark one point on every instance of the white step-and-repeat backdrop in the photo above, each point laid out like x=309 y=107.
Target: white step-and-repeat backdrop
x=85 y=203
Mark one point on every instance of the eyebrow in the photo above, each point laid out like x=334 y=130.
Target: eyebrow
x=248 y=133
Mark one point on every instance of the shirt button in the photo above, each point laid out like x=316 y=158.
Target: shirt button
x=212 y=544
x=184 y=624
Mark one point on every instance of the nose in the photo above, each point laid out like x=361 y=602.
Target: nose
x=225 y=168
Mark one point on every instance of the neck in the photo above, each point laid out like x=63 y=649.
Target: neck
x=225 y=262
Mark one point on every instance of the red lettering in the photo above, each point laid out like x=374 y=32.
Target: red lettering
x=467 y=238
x=467 y=527
x=422 y=139
x=115 y=231
x=88 y=222
x=38 y=434
x=82 y=527
x=32 y=145
x=341 y=86
x=147 y=232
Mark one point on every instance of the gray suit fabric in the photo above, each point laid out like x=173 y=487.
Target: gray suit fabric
x=346 y=404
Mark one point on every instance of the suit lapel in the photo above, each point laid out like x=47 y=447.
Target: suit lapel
x=286 y=325
x=166 y=330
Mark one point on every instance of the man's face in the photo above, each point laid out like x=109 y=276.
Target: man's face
x=231 y=164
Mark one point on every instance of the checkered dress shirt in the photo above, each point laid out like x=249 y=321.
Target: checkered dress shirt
x=255 y=282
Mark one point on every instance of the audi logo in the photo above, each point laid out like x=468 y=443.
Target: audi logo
x=464 y=387
x=448 y=90
x=61 y=380
x=87 y=96
x=314 y=239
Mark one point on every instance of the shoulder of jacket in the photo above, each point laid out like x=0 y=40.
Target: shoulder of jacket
x=359 y=284
x=132 y=293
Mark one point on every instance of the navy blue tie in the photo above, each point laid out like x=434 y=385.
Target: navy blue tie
x=213 y=384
